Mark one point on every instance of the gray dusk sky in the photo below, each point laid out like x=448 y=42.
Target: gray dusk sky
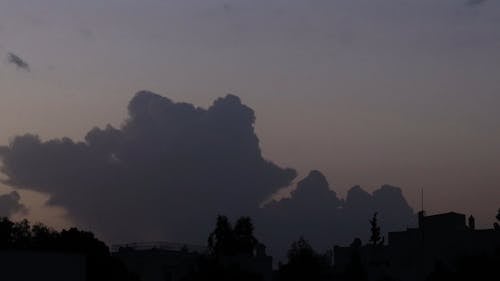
x=369 y=92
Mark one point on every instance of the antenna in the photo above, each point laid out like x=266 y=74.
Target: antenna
x=422 y=198
x=422 y=232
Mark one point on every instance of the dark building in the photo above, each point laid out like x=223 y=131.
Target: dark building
x=155 y=261
x=29 y=265
x=258 y=263
x=413 y=253
x=161 y=261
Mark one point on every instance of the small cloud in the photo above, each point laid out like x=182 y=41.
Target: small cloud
x=18 y=61
x=227 y=6
x=87 y=34
x=473 y=3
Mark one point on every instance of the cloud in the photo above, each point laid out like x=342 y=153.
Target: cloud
x=9 y=204
x=87 y=34
x=315 y=211
x=227 y=7
x=18 y=61
x=172 y=167
x=473 y=3
x=166 y=173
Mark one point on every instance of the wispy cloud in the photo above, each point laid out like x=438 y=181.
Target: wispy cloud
x=473 y=3
x=18 y=61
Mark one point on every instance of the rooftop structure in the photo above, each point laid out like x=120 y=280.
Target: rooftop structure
x=159 y=245
x=413 y=253
x=166 y=261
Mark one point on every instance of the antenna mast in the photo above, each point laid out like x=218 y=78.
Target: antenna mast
x=422 y=233
x=422 y=199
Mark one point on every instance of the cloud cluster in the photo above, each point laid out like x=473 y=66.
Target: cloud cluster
x=9 y=204
x=18 y=61
x=167 y=172
x=172 y=167
x=315 y=211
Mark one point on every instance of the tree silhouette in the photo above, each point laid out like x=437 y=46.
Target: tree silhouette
x=375 y=237
x=44 y=238
x=244 y=238
x=356 y=243
x=303 y=263
x=472 y=222
x=224 y=243
x=5 y=233
x=99 y=262
x=221 y=241
x=21 y=234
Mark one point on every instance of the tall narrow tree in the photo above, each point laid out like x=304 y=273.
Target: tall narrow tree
x=375 y=237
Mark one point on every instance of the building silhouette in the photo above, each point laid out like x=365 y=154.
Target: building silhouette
x=412 y=254
x=25 y=265
x=165 y=261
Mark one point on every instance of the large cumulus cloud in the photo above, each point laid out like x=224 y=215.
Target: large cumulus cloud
x=167 y=172
x=172 y=167
x=10 y=204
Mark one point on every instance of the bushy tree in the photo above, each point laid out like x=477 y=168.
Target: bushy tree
x=226 y=240
x=100 y=264
x=303 y=263
x=221 y=241
x=43 y=237
x=6 y=233
x=244 y=238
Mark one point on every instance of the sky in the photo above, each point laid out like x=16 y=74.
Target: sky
x=368 y=92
